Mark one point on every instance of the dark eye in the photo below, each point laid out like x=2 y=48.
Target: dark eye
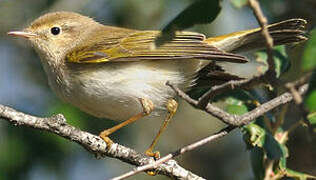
x=55 y=30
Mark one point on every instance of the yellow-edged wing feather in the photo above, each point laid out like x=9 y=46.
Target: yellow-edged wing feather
x=138 y=45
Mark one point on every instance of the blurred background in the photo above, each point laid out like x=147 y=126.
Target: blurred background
x=31 y=154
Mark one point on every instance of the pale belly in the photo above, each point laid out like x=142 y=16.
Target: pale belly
x=112 y=90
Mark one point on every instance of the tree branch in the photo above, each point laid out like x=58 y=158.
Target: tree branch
x=240 y=120
x=92 y=143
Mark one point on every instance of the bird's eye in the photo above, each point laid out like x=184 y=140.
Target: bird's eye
x=55 y=30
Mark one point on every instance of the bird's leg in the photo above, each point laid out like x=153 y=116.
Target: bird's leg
x=172 y=106
x=148 y=107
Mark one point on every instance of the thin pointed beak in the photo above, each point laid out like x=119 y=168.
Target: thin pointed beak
x=21 y=34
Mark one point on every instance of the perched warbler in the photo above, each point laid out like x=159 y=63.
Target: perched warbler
x=115 y=73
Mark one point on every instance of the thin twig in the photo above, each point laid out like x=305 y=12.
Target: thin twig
x=298 y=99
x=183 y=150
x=230 y=85
x=293 y=85
x=294 y=126
x=262 y=20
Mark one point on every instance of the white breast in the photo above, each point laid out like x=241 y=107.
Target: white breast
x=112 y=90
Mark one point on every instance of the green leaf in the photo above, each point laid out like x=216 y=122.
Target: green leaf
x=310 y=98
x=256 y=136
x=236 y=109
x=309 y=59
x=281 y=61
x=312 y=118
x=235 y=106
x=298 y=175
x=200 y=12
x=282 y=162
x=239 y=3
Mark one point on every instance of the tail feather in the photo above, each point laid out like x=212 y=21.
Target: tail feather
x=285 y=32
x=294 y=24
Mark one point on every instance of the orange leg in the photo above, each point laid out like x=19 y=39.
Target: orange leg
x=147 y=109
x=172 y=106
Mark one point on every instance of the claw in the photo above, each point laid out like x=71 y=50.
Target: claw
x=104 y=136
x=151 y=173
x=150 y=153
x=156 y=156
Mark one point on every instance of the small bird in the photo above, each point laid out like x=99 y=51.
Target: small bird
x=115 y=73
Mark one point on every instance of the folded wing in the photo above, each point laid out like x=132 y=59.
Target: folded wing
x=139 y=46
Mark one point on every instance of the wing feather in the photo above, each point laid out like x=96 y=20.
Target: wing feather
x=138 y=46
